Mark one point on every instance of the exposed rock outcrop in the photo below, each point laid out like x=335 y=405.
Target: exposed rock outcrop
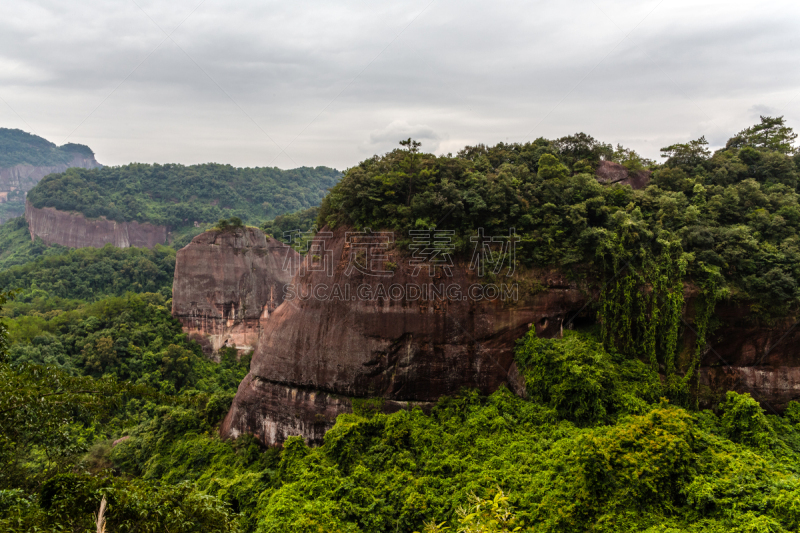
x=745 y=356
x=324 y=346
x=610 y=173
x=343 y=333
x=77 y=231
x=227 y=284
x=16 y=181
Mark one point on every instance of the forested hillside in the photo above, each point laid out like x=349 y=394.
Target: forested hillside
x=177 y=195
x=25 y=159
x=104 y=399
x=731 y=216
x=19 y=147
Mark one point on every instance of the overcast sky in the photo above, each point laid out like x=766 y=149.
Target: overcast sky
x=287 y=84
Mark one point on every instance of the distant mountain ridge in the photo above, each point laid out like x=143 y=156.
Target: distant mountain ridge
x=179 y=196
x=25 y=159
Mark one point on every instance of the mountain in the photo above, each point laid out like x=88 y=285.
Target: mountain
x=25 y=159
x=141 y=205
x=694 y=272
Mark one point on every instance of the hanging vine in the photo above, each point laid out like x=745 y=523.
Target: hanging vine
x=711 y=291
x=642 y=299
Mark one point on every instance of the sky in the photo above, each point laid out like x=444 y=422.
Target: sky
x=308 y=83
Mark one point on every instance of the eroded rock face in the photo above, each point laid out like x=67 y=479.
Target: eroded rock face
x=77 y=231
x=745 y=356
x=609 y=173
x=323 y=347
x=227 y=284
x=16 y=181
x=320 y=347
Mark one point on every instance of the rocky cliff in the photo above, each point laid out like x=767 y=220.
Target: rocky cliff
x=76 y=231
x=747 y=356
x=17 y=180
x=402 y=336
x=345 y=334
x=227 y=284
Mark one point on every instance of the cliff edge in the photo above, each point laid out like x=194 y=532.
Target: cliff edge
x=76 y=231
x=17 y=180
x=401 y=335
x=227 y=283
x=343 y=334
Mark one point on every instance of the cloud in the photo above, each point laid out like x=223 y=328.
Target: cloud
x=328 y=83
x=757 y=111
x=388 y=138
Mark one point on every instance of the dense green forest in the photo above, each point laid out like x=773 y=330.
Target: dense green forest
x=104 y=401
x=735 y=211
x=594 y=448
x=177 y=195
x=16 y=246
x=18 y=147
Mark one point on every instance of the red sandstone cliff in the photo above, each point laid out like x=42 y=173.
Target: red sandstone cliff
x=315 y=353
x=17 y=180
x=76 y=231
x=227 y=284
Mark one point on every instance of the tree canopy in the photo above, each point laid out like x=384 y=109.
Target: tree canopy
x=735 y=210
x=178 y=196
x=19 y=147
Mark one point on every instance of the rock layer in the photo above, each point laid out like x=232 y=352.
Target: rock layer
x=227 y=284
x=17 y=180
x=77 y=231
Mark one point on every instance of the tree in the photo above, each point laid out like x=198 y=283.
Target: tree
x=772 y=134
x=574 y=148
x=410 y=164
x=551 y=168
x=630 y=159
x=687 y=155
x=411 y=145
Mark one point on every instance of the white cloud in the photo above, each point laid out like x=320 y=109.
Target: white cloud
x=313 y=82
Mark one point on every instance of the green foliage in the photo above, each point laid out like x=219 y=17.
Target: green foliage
x=630 y=159
x=490 y=515
x=301 y=221
x=743 y=421
x=584 y=148
x=126 y=408
x=663 y=468
x=177 y=195
x=91 y=274
x=735 y=211
x=16 y=247
x=687 y=156
x=56 y=420
x=3 y=329
x=231 y=224
x=550 y=168
x=578 y=378
x=19 y=147
x=591 y=449
x=772 y=134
